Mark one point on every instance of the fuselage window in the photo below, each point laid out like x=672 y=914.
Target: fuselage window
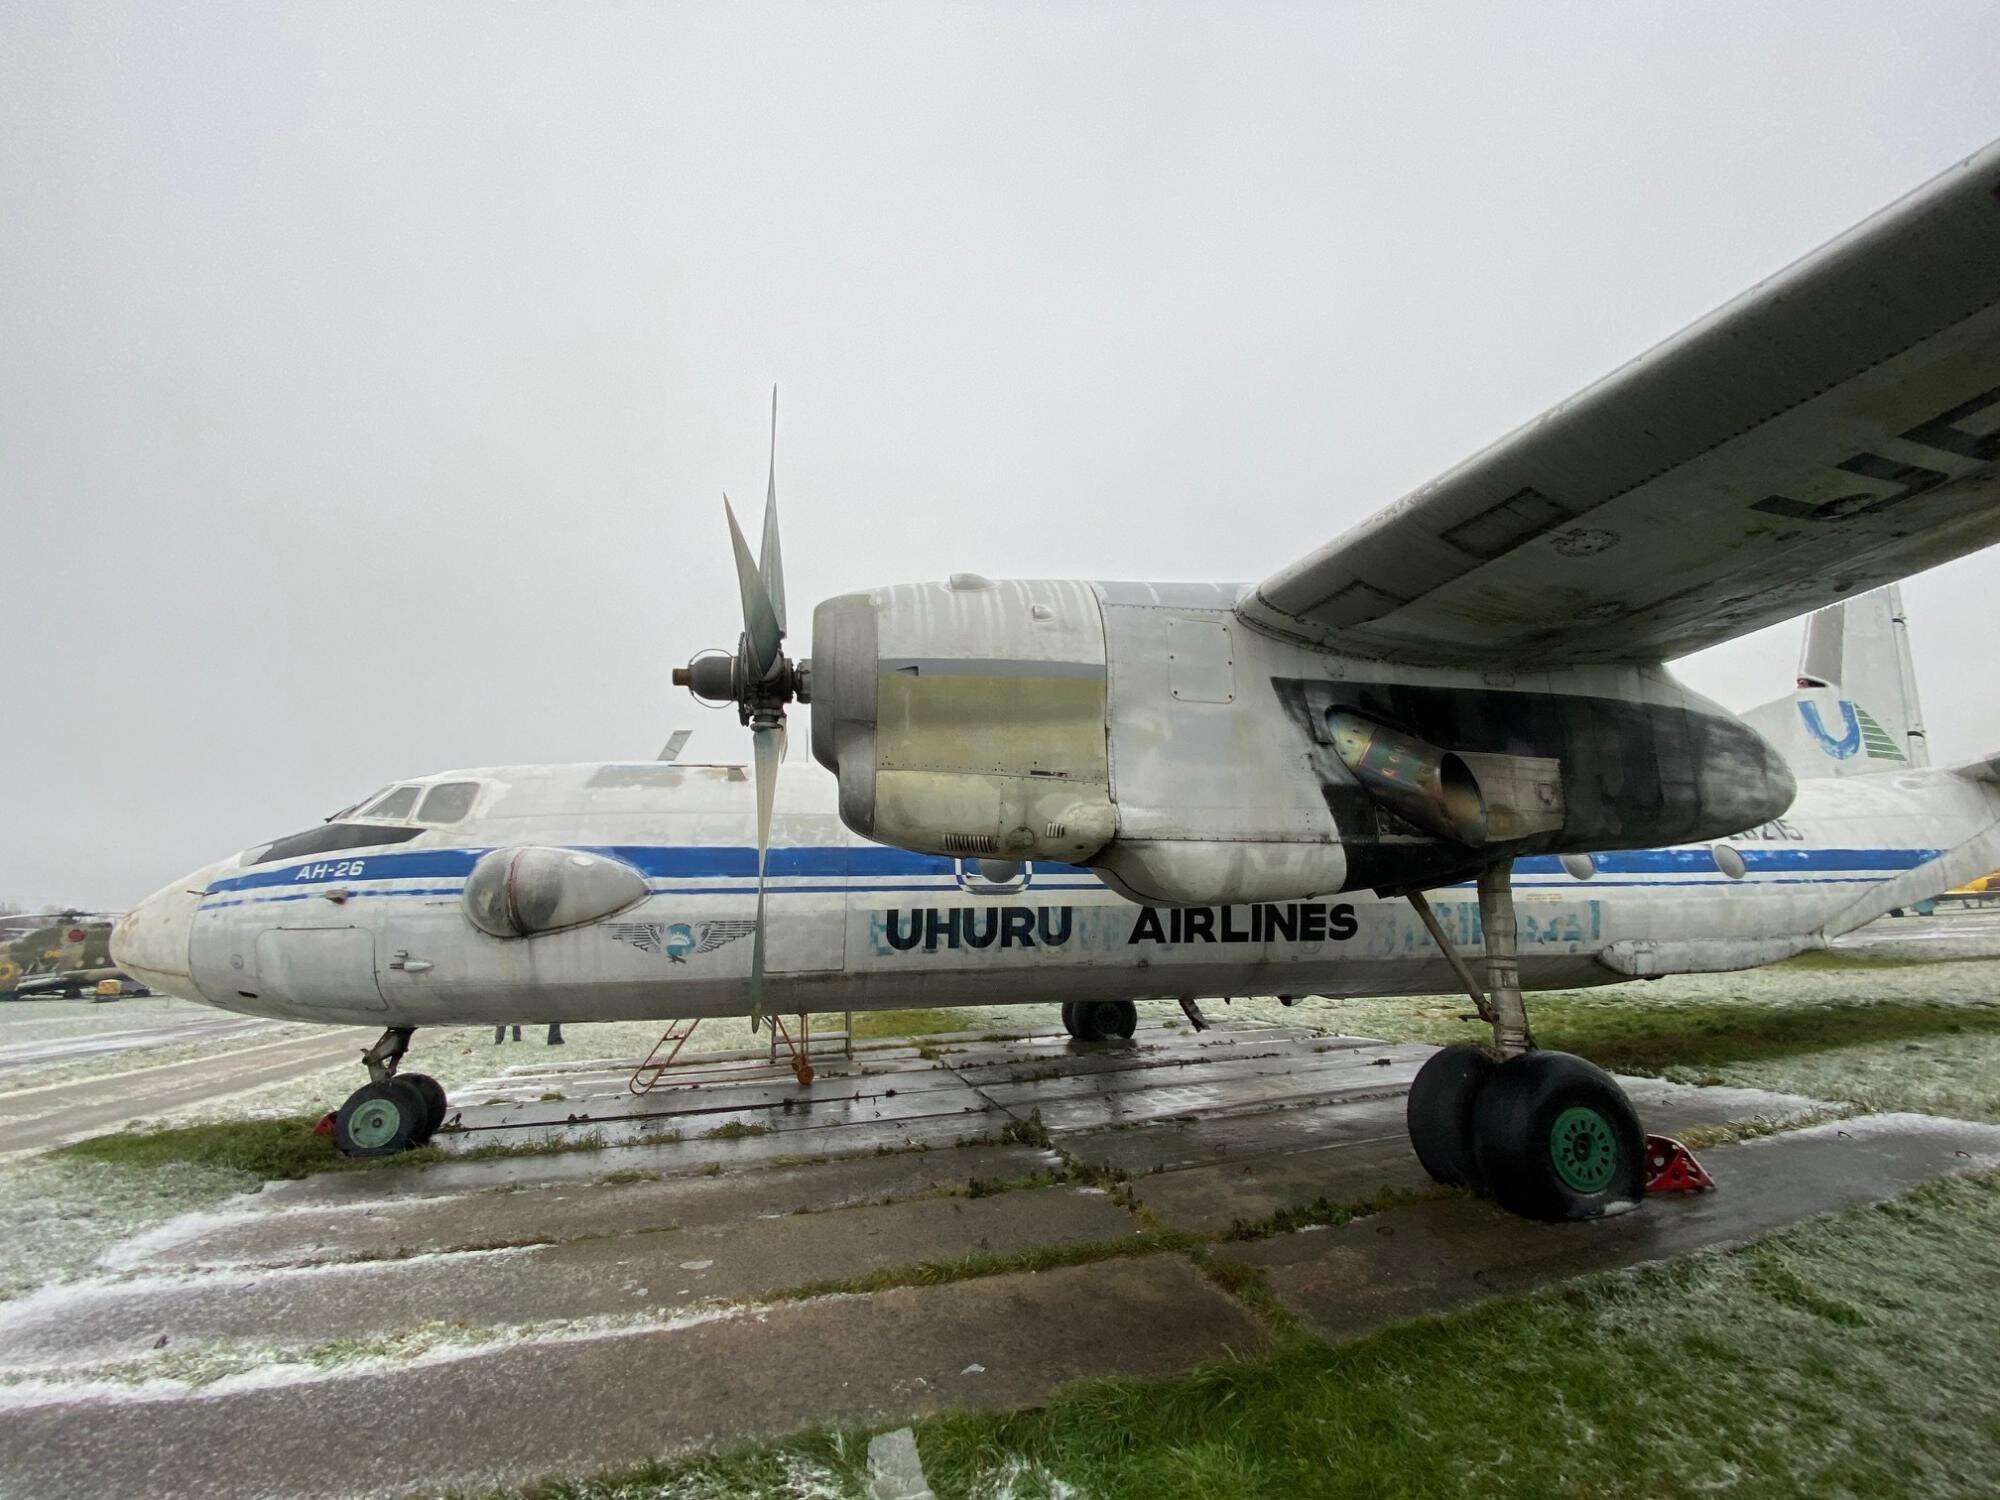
x=1580 y=866
x=396 y=804
x=448 y=801
x=1728 y=860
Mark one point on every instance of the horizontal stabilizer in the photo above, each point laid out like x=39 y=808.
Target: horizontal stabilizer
x=1986 y=769
x=1954 y=867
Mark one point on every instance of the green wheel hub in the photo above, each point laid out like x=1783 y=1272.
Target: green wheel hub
x=1584 y=1149
x=374 y=1124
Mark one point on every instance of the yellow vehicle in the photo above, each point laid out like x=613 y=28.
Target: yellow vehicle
x=1980 y=892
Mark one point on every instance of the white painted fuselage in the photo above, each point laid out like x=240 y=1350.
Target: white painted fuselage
x=380 y=935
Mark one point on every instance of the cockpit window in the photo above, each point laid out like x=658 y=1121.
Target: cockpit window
x=448 y=801
x=328 y=837
x=395 y=804
x=353 y=807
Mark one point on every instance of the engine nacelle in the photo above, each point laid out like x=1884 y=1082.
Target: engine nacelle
x=967 y=718
x=986 y=719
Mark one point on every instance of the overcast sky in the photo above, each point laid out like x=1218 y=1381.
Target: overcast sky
x=370 y=374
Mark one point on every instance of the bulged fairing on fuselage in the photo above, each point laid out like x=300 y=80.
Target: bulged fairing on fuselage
x=380 y=936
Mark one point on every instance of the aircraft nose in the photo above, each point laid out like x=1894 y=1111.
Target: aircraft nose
x=150 y=942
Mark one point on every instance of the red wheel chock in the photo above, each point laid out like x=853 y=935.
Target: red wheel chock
x=1671 y=1168
x=325 y=1125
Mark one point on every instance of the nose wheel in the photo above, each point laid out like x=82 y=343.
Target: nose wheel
x=393 y=1111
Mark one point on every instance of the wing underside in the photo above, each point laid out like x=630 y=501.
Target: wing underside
x=1833 y=429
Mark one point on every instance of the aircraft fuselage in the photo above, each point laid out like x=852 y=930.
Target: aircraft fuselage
x=381 y=936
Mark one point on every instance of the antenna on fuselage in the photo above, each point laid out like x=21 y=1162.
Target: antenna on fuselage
x=676 y=742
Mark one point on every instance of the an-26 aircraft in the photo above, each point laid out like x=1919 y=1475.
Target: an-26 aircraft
x=1105 y=792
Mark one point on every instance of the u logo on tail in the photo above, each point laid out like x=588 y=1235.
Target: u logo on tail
x=1850 y=740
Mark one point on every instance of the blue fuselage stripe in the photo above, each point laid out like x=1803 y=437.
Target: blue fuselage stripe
x=853 y=865
x=872 y=870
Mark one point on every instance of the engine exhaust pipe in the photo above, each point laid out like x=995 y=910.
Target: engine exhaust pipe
x=1432 y=788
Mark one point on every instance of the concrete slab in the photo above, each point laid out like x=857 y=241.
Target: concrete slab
x=632 y=1148
x=37 y=1119
x=508 y=1416
x=396 y=1224
x=1676 y=1108
x=622 y=1275
x=934 y=1091
x=1214 y=1200
x=1208 y=1175
x=1453 y=1250
x=1250 y=1075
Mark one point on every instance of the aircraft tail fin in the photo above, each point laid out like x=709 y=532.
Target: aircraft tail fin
x=1855 y=711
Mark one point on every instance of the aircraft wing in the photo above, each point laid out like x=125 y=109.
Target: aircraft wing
x=1834 y=428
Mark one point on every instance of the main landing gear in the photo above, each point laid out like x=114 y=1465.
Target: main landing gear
x=1546 y=1135
x=392 y=1111
x=1100 y=1020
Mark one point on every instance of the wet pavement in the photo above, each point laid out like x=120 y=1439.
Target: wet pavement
x=745 y=1257
x=42 y=1052
x=1432 y=1256
x=34 y=1119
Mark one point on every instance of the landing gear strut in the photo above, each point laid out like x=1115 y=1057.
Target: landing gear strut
x=1100 y=1020
x=392 y=1111
x=1546 y=1135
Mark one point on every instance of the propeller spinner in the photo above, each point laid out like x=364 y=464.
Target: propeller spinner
x=759 y=679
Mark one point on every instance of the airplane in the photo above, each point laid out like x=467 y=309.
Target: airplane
x=1443 y=751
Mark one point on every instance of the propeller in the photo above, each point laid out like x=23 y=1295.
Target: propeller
x=759 y=680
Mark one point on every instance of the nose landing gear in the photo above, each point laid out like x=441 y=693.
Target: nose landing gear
x=1546 y=1135
x=393 y=1111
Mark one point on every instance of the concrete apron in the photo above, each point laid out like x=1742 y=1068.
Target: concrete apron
x=1450 y=1251
x=589 y=1287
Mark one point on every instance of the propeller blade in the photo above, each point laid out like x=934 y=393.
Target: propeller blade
x=760 y=620
x=769 y=744
x=770 y=562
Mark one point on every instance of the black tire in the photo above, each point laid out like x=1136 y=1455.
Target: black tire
x=1555 y=1138
x=1440 y=1113
x=1101 y=1020
x=435 y=1103
x=379 y=1119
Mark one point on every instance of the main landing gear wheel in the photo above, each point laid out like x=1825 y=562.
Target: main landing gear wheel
x=381 y=1119
x=1100 y=1020
x=1440 y=1113
x=1545 y=1134
x=1555 y=1138
x=435 y=1103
